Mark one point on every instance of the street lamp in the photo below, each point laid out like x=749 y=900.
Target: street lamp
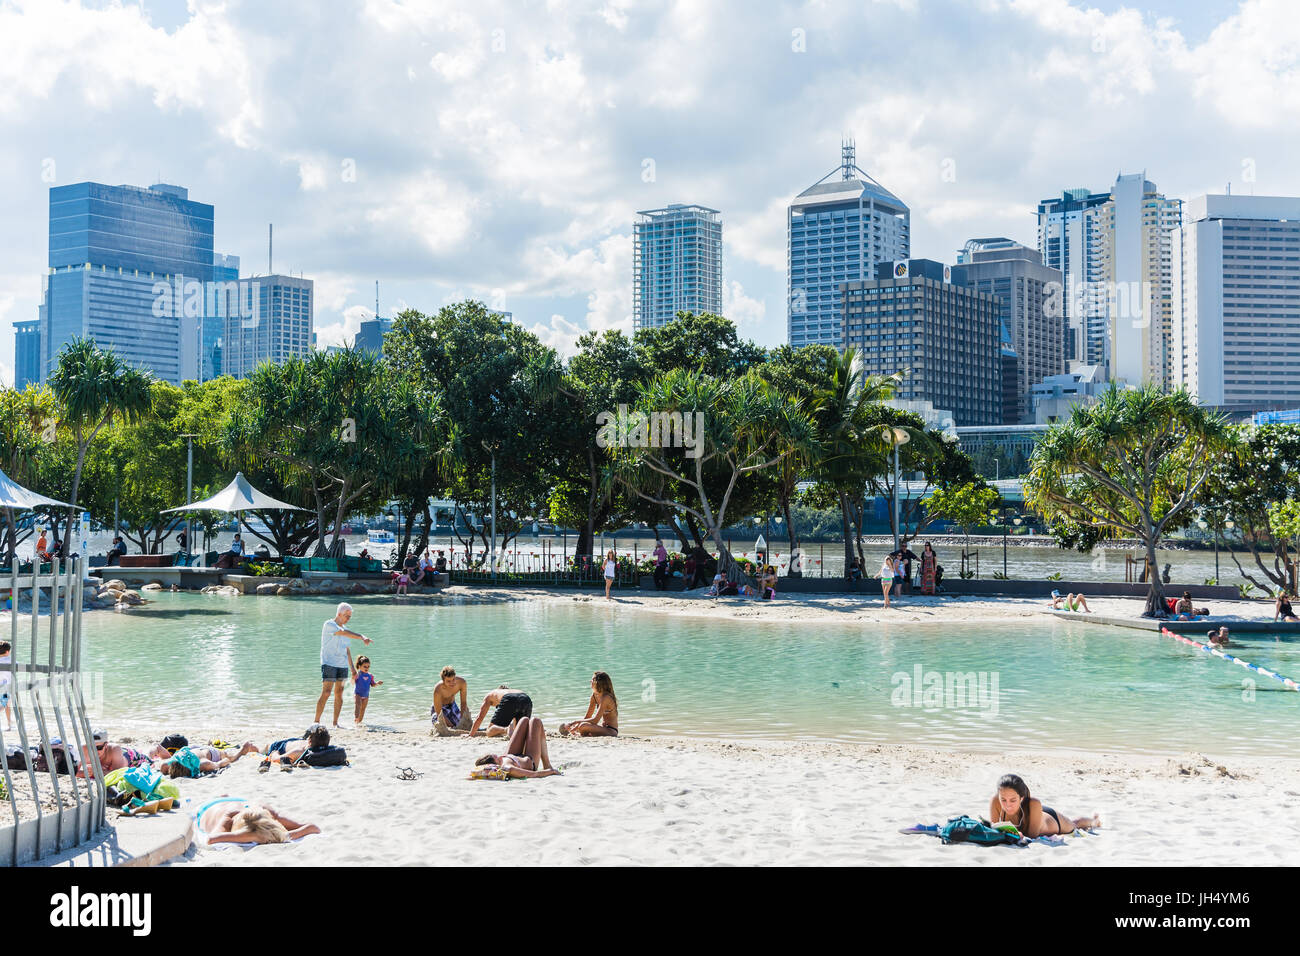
x=895 y=437
x=492 y=451
x=189 y=493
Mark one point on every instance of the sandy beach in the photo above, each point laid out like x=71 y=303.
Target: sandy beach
x=864 y=608
x=699 y=802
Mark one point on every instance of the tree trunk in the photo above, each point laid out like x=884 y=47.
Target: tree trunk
x=848 y=535
x=1156 y=606
x=791 y=570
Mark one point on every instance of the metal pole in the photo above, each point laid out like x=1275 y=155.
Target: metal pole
x=1004 y=551
x=494 y=517
x=895 y=496
x=1216 y=555
x=189 y=497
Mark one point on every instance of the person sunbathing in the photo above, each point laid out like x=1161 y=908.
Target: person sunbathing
x=524 y=753
x=1072 y=602
x=196 y=760
x=602 y=711
x=113 y=757
x=290 y=750
x=1012 y=803
x=234 y=820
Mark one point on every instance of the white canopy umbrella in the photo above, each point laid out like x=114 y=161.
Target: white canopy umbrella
x=14 y=495
x=239 y=495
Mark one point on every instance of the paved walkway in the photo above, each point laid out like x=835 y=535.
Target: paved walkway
x=132 y=841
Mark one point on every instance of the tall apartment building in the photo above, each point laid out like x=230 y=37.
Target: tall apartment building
x=279 y=329
x=921 y=315
x=371 y=335
x=1070 y=240
x=838 y=231
x=1029 y=293
x=27 y=353
x=676 y=263
x=1137 y=224
x=1235 y=327
x=111 y=249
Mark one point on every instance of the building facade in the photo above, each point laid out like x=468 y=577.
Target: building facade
x=837 y=232
x=1137 y=225
x=111 y=249
x=676 y=263
x=27 y=353
x=1235 y=328
x=371 y=335
x=919 y=315
x=1070 y=241
x=1032 y=331
x=281 y=327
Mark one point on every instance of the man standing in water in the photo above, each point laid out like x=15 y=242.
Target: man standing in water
x=336 y=659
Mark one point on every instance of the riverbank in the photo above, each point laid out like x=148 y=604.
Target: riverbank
x=671 y=801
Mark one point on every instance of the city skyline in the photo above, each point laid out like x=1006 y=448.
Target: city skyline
x=521 y=192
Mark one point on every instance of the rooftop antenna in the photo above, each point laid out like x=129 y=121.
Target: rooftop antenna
x=847 y=159
x=270 y=236
x=376 y=298
x=1228 y=191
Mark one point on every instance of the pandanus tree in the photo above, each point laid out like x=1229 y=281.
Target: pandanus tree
x=91 y=387
x=705 y=436
x=1135 y=462
x=23 y=447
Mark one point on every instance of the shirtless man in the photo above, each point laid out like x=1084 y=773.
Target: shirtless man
x=449 y=717
x=510 y=706
x=112 y=757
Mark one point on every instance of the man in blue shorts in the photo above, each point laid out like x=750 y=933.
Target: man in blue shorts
x=336 y=659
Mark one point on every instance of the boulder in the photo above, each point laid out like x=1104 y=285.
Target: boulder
x=270 y=588
x=115 y=585
x=130 y=597
x=359 y=588
x=153 y=586
x=298 y=584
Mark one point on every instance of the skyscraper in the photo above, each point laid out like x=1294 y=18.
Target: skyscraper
x=1029 y=293
x=111 y=248
x=280 y=328
x=922 y=316
x=1136 y=225
x=225 y=270
x=1235 y=296
x=27 y=353
x=371 y=334
x=676 y=263
x=1070 y=240
x=837 y=232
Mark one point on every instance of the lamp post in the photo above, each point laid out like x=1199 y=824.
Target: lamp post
x=895 y=437
x=492 y=451
x=1228 y=525
x=189 y=493
x=997 y=469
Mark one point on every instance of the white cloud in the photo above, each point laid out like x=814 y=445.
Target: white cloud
x=740 y=308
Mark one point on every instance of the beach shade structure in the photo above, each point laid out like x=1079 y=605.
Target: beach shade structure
x=15 y=496
x=238 y=496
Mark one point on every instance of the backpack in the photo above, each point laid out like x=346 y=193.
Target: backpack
x=174 y=742
x=328 y=756
x=966 y=829
x=60 y=760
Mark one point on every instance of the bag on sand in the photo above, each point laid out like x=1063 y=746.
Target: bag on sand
x=328 y=756
x=966 y=829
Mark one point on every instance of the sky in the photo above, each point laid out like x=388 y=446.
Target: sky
x=501 y=150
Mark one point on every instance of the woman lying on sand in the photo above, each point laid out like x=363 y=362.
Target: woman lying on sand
x=199 y=759
x=602 y=711
x=527 y=748
x=234 y=820
x=1013 y=804
x=112 y=757
x=1072 y=602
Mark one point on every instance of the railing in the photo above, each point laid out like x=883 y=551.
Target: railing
x=45 y=695
x=549 y=569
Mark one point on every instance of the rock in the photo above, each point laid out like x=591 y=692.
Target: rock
x=359 y=588
x=270 y=588
x=153 y=586
x=311 y=590
x=225 y=590
x=115 y=585
x=105 y=599
x=298 y=584
x=130 y=597
x=327 y=586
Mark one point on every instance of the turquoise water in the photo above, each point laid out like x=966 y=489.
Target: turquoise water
x=187 y=659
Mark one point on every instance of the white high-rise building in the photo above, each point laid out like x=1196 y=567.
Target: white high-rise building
x=1235 y=305
x=1136 y=228
x=1070 y=240
x=280 y=328
x=676 y=263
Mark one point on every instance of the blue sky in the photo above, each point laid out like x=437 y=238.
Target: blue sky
x=500 y=150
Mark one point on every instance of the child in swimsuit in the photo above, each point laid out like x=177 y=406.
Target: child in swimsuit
x=361 y=690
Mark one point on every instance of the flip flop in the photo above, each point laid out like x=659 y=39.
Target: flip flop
x=927 y=829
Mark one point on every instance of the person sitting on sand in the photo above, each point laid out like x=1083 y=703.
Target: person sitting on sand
x=1012 y=803
x=602 y=711
x=768 y=584
x=1183 y=609
x=194 y=760
x=1072 y=602
x=511 y=705
x=234 y=820
x=448 y=716
x=525 y=752
x=1282 y=608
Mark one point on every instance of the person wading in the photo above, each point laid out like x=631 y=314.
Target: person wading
x=336 y=659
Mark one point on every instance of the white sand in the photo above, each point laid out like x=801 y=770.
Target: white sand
x=675 y=801
x=864 y=608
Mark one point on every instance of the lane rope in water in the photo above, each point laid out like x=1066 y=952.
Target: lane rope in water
x=1228 y=657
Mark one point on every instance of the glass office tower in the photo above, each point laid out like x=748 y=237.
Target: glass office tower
x=676 y=263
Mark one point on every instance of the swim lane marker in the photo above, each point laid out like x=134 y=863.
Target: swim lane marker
x=1228 y=657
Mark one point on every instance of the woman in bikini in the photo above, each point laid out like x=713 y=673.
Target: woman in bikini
x=235 y=820
x=526 y=751
x=1012 y=803
x=114 y=757
x=602 y=711
x=887 y=578
x=1282 y=608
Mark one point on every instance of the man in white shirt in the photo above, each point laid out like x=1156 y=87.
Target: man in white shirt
x=336 y=659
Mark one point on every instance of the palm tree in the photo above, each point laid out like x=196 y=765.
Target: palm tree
x=91 y=385
x=1135 y=462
